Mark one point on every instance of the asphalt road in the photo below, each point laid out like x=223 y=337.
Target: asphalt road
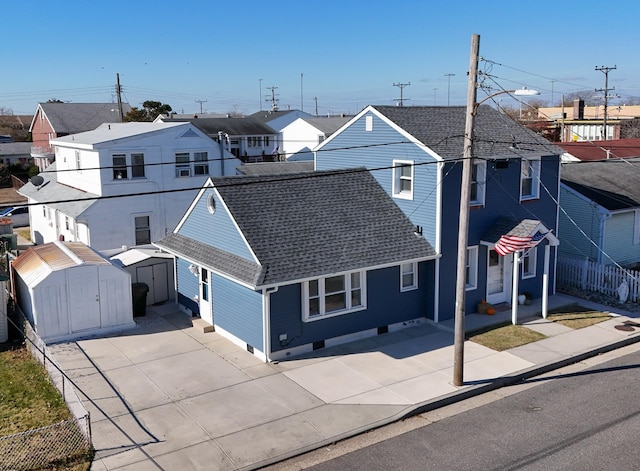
x=572 y=419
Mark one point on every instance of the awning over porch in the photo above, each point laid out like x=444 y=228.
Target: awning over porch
x=512 y=234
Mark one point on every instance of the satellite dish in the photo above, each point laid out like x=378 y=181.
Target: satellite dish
x=37 y=180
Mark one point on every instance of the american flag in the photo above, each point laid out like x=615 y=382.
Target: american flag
x=511 y=243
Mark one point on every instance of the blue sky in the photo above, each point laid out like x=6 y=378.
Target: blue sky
x=349 y=52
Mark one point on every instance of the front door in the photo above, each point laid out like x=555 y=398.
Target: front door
x=206 y=310
x=498 y=276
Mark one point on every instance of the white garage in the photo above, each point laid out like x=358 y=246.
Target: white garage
x=68 y=290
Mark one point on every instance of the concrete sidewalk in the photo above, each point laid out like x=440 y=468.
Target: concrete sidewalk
x=168 y=396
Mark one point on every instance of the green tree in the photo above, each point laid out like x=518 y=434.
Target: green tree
x=150 y=110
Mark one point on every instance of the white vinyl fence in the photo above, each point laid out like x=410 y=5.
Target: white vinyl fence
x=591 y=276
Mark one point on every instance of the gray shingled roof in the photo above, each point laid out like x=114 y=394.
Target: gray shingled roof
x=313 y=224
x=231 y=126
x=72 y=118
x=327 y=125
x=275 y=168
x=613 y=184
x=236 y=267
x=441 y=128
x=505 y=225
x=52 y=191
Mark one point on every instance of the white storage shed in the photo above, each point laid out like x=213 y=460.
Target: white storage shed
x=68 y=290
x=152 y=267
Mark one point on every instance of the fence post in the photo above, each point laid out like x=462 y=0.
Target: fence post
x=583 y=274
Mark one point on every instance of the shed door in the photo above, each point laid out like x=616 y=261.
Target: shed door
x=155 y=276
x=84 y=298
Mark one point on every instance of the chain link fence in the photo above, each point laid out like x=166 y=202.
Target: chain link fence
x=47 y=447
x=53 y=445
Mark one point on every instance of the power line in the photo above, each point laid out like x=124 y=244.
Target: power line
x=605 y=90
x=401 y=86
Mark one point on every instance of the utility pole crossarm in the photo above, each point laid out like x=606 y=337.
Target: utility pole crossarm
x=401 y=86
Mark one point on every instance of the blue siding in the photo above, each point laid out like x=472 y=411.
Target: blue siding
x=238 y=310
x=385 y=305
x=343 y=152
x=501 y=199
x=188 y=286
x=217 y=229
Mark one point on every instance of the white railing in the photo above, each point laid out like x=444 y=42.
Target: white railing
x=591 y=276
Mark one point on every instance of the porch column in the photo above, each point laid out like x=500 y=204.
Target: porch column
x=545 y=282
x=514 y=288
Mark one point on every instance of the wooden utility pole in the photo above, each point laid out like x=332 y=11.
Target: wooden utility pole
x=463 y=227
x=605 y=90
x=401 y=86
x=119 y=97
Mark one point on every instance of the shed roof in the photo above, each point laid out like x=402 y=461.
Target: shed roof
x=38 y=261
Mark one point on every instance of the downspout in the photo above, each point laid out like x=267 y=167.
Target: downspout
x=266 y=321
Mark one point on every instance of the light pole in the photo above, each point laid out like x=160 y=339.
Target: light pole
x=260 y=80
x=449 y=85
x=463 y=224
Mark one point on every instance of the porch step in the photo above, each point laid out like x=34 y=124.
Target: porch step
x=200 y=323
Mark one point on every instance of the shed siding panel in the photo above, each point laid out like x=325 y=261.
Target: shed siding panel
x=216 y=229
x=379 y=148
x=238 y=310
x=385 y=305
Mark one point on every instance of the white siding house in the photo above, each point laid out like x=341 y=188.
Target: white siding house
x=300 y=137
x=123 y=184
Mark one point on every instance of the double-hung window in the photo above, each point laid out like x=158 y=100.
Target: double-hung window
x=137 y=165
x=119 y=166
x=142 y=230
x=403 y=179
x=183 y=165
x=478 y=178
x=530 y=179
x=201 y=164
x=334 y=295
x=471 y=268
x=408 y=276
x=529 y=263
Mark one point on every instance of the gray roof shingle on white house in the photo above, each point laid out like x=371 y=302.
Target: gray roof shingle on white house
x=275 y=168
x=307 y=225
x=613 y=184
x=441 y=128
x=231 y=126
x=69 y=201
x=72 y=118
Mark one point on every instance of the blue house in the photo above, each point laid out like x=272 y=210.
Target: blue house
x=415 y=154
x=286 y=264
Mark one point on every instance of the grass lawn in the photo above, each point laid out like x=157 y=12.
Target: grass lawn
x=577 y=317
x=504 y=337
x=28 y=401
x=27 y=398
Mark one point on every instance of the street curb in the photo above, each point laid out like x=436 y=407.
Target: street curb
x=452 y=398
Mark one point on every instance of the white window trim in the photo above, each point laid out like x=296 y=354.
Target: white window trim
x=414 y=272
x=535 y=179
x=188 y=168
x=321 y=294
x=135 y=229
x=481 y=181
x=397 y=172
x=532 y=255
x=472 y=264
